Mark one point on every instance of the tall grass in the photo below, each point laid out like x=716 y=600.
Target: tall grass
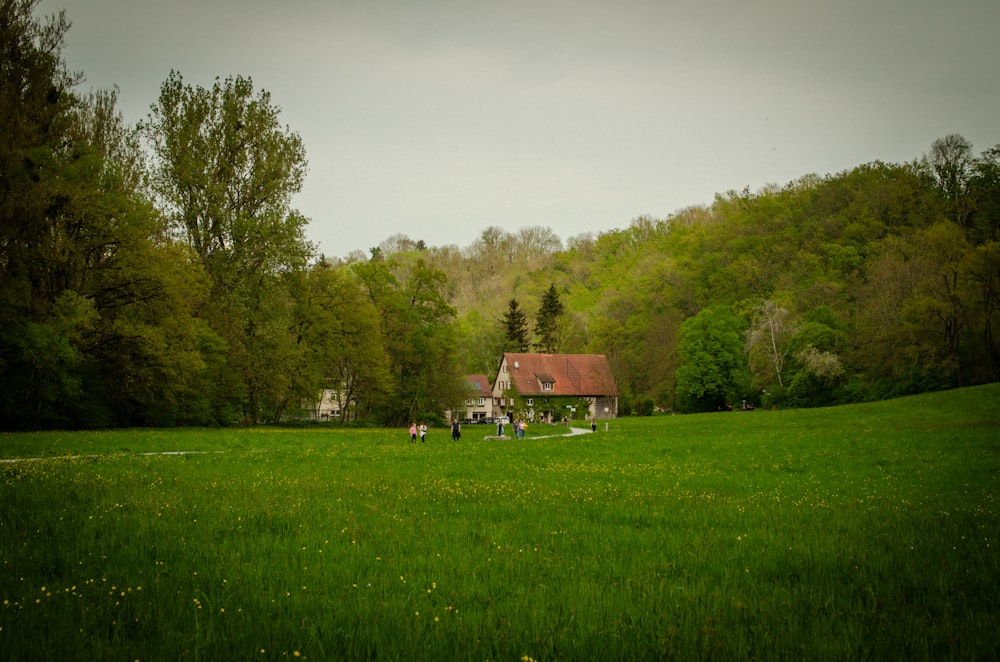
x=862 y=532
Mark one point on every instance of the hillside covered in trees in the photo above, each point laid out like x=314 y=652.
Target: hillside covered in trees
x=866 y=284
x=158 y=275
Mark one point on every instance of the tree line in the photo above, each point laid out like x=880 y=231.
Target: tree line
x=871 y=283
x=157 y=274
x=876 y=282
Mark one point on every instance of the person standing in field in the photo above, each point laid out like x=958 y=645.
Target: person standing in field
x=413 y=433
x=456 y=430
x=423 y=432
x=499 y=427
x=593 y=424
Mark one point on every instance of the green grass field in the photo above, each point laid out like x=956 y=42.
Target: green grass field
x=850 y=533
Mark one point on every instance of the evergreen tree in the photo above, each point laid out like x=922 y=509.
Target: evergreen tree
x=547 y=321
x=515 y=327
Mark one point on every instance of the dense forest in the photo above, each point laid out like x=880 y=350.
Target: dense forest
x=157 y=274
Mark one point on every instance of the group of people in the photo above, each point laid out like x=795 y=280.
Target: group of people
x=520 y=428
x=421 y=429
x=418 y=429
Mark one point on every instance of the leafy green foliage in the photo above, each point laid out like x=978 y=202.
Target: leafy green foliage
x=712 y=371
x=173 y=285
x=340 y=327
x=97 y=307
x=418 y=333
x=224 y=171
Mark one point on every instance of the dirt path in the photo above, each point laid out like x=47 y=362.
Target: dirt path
x=92 y=457
x=573 y=432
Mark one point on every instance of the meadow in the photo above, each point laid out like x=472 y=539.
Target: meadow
x=848 y=533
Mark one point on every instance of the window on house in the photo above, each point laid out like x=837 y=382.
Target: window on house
x=529 y=401
x=546 y=386
x=482 y=401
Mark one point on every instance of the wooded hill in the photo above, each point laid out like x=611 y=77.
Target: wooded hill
x=157 y=275
x=867 y=284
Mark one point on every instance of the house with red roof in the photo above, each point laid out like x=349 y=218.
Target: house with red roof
x=552 y=386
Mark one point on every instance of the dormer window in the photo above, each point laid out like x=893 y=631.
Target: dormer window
x=546 y=380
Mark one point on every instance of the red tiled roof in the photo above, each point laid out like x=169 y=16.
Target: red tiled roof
x=570 y=374
x=480 y=384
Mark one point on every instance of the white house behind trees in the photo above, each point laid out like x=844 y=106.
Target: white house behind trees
x=479 y=404
x=329 y=407
x=540 y=386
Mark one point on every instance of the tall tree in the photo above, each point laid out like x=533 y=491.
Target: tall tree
x=515 y=325
x=535 y=243
x=346 y=353
x=494 y=250
x=96 y=306
x=416 y=323
x=768 y=341
x=399 y=243
x=35 y=104
x=984 y=194
x=39 y=341
x=429 y=375
x=224 y=171
x=547 y=321
x=951 y=160
x=982 y=267
x=914 y=310
x=937 y=312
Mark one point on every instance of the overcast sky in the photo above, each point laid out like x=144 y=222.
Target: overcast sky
x=440 y=118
